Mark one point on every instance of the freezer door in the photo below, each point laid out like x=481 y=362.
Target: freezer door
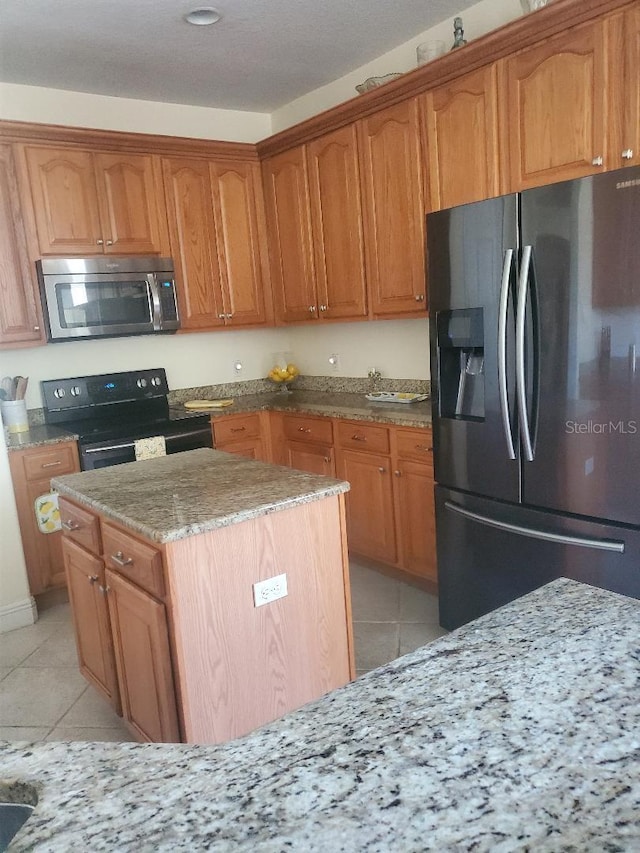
x=472 y=261
x=585 y=287
x=490 y=553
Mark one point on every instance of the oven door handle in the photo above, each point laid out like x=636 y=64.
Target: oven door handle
x=189 y=434
x=108 y=447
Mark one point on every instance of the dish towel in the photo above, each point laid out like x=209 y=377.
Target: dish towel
x=148 y=448
x=47 y=512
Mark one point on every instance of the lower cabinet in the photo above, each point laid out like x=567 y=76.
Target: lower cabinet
x=314 y=458
x=241 y=434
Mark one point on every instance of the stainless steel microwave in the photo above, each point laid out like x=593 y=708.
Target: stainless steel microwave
x=107 y=297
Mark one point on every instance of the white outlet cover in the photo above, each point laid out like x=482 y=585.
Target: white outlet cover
x=270 y=590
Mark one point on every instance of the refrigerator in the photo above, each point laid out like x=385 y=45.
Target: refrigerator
x=535 y=375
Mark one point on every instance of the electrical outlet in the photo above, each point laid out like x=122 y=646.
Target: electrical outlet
x=237 y=366
x=270 y=590
x=334 y=362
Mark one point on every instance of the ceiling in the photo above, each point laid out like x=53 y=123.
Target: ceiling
x=260 y=56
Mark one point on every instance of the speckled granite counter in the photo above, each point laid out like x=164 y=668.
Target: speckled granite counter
x=171 y=497
x=517 y=732
x=37 y=435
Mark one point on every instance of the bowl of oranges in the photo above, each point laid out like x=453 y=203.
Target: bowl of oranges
x=283 y=376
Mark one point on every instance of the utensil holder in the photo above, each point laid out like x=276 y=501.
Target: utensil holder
x=14 y=415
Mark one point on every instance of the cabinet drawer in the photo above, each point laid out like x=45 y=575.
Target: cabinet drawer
x=301 y=428
x=227 y=430
x=133 y=559
x=80 y=525
x=51 y=461
x=415 y=444
x=358 y=436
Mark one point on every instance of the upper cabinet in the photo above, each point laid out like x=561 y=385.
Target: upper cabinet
x=88 y=203
x=216 y=230
x=461 y=121
x=624 y=126
x=556 y=106
x=393 y=209
x=19 y=314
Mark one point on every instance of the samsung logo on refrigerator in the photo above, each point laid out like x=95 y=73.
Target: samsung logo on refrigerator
x=624 y=185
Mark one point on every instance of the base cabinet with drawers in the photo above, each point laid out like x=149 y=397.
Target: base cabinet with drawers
x=245 y=435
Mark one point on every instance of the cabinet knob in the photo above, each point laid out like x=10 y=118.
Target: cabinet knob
x=70 y=525
x=419 y=297
x=327 y=459
x=597 y=161
x=426 y=447
x=93 y=578
x=120 y=560
x=104 y=589
x=398 y=473
x=304 y=429
x=100 y=242
x=221 y=316
x=382 y=470
x=312 y=309
x=36 y=328
x=357 y=437
x=323 y=307
x=109 y=242
x=627 y=154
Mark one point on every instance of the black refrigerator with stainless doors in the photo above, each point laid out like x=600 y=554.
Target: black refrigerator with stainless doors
x=535 y=370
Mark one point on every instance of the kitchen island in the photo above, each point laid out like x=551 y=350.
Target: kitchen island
x=209 y=593
x=516 y=732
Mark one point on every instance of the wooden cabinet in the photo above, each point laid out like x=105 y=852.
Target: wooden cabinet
x=556 y=108
x=336 y=218
x=31 y=472
x=87 y=594
x=88 y=203
x=241 y=434
x=393 y=210
x=624 y=53
x=306 y=443
x=461 y=121
x=20 y=321
x=217 y=236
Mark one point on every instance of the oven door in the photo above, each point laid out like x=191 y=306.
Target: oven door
x=102 y=454
x=85 y=305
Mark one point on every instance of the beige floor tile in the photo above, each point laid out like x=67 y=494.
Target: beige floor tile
x=91 y=711
x=58 y=650
x=376 y=643
x=414 y=635
x=5 y=670
x=16 y=646
x=418 y=606
x=29 y=733
x=38 y=697
x=59 y=612
x=119 y=735
x=374 y=597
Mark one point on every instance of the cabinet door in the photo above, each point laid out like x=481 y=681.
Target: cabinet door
x=128 y=203
x=192 y=234
x=393 y=210
x=86 y=583
x=143 y=660
x=19 y=317
x=555 y=110
x=625 y=55
x=313 y=458
x=415 y=518
x=238 y=204
x=65 y=201
x=461 y=120
x=336 y=218
x=370 y=525
x=252 y=448
x=289 y=228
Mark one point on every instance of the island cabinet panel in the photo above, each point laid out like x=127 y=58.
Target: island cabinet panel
x=87 y=594
x=20 y=321
x=556 y=108
x=286 y=188
x=240 y=666
x=336 y=217
x=393 y=209
x=88 y=203
x=461 y=121
x=143 y=661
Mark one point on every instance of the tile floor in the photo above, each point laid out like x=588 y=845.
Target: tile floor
x=44 y=697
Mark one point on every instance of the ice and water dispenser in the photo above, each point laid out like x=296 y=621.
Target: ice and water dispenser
x=461 y=363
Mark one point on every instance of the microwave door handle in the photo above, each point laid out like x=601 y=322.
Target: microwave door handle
x=154 y=300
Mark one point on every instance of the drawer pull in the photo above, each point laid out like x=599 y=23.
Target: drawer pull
x=425 y=447
x=304 y=429
x=357 y=437
x=120 y=560
x=71 y=525
x=238 y=429
x=51 y=464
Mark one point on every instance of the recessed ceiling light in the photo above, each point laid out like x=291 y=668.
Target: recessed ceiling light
x=203 y=16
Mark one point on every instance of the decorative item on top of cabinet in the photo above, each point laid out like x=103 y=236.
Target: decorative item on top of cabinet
x=556 y=108
x=461 y=119
x=88 y=203
x=393 y=210
x=20 y=321
x=244 y=434
x=217 y=236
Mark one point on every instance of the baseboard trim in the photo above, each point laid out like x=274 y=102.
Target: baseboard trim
x=18 y=615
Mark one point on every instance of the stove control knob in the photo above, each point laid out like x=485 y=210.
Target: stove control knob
x=59 y=393
x=156 y=381
x=75 y=391
x=141 y=383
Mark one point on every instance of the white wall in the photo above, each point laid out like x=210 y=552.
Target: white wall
x=15 y=601
x=478 y=20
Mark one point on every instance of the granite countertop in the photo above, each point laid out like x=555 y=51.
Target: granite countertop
x=516 y=732
x=37 y=435
x=171 y=497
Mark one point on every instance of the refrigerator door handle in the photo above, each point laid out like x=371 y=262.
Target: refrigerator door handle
x=502 y=351
x=521 y=316
x=545 y=535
